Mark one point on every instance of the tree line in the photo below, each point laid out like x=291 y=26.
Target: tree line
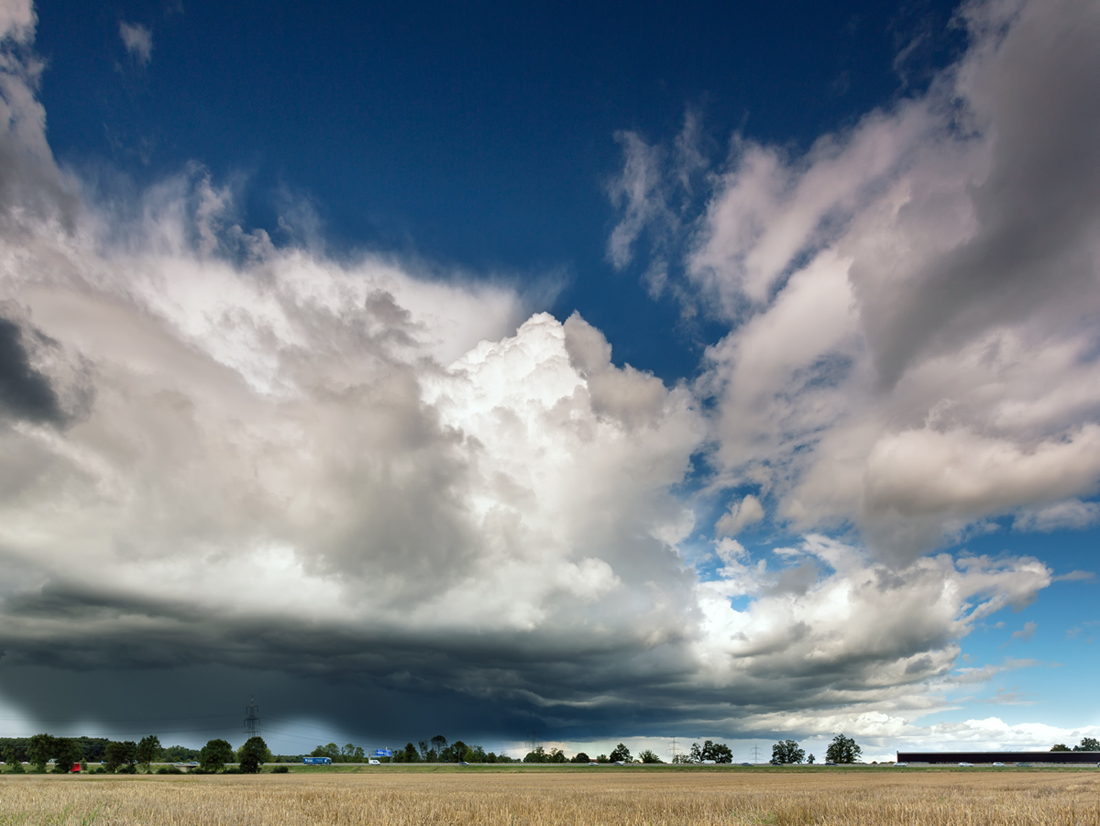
x=1086 y=744
x=843 y=750
x=436 y=750
x=126 y=756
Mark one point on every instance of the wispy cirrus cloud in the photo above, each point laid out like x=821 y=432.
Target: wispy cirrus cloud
x=1025 y=633
x=138 y=40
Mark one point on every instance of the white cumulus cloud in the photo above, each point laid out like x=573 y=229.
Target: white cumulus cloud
x=220 y=452
x=911 y=302
x=138 y=40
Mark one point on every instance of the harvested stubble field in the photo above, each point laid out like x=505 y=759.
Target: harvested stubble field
x=550 y=797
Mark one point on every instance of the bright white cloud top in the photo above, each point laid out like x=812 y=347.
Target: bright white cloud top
x=208 y=437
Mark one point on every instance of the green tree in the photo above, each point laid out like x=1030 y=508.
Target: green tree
x=537 y=755
x=454 y=753
x=843 y=750
x=1060 y=747
x=1088 y=744
x=215 y=754
x=718 y=752
x=11 y=757
x=331 y=751
x=649 y=756
x=439 y=742
x=787 y=752
x=40 y=750
x=91 y=748
x=148 y=750
x=407 y=755
x=118 y=755
x=353 y=754
x=253 y=754
x=621 y=754
x=179 y=754
x=581 y=757
x=557 y=756
x=810 y=759
x=67 y=752
x=709 y=752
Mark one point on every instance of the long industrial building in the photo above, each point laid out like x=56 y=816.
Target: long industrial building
x=1006 y=757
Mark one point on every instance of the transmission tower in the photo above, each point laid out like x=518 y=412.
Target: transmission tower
x=252 y=718
x=755 y=753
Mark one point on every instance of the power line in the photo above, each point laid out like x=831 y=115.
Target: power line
x=252 y=719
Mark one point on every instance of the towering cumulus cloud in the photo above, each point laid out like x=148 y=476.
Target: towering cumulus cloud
x=219 y=451
x=207 y=438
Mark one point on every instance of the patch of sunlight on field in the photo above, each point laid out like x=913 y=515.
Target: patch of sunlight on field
x=601 y=798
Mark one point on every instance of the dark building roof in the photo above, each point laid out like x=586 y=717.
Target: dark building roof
x=999 y=757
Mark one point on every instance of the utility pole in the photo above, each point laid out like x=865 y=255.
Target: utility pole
x=252 y=719
x=755 y=754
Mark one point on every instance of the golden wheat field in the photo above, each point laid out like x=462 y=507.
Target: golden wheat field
x=598 y=798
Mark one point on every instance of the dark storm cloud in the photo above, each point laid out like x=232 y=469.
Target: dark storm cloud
x=24 y=392
x=569 y=678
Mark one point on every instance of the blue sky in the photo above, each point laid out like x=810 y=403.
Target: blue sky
x=480 y=137
x=616 y=372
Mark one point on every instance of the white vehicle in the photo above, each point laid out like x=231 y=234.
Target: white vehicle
x=900 y=764
x=998 y=764
x=966 y=764
x=374 y=762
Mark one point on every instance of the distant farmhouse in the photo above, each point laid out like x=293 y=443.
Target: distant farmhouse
x=1006 y=757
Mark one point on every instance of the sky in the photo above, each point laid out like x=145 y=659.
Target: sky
x=610 y=372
